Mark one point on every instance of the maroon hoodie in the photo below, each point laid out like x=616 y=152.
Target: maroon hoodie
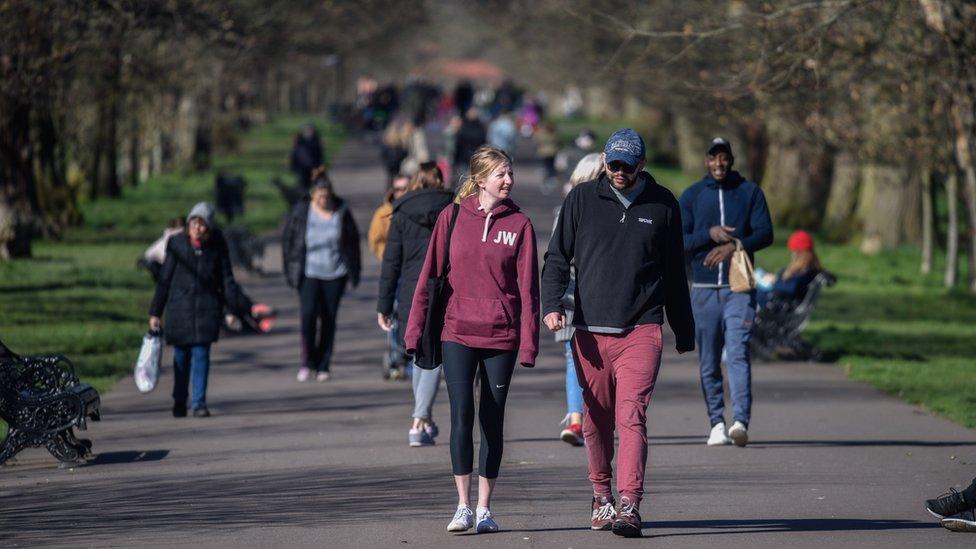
x=493 y=281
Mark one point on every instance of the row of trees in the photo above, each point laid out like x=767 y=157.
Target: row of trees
x=857 y=116
x=98 y=94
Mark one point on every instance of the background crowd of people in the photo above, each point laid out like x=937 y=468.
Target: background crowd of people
x=668 y=257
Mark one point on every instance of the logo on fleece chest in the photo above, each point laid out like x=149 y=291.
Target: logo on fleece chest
x=505 y=238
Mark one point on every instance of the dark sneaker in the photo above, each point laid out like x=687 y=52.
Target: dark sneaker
x=201 y=412
x=628 y=523
x=946 y=505
x=961 y=522
x=603 y=513
x=419 y=437
x=179 y=410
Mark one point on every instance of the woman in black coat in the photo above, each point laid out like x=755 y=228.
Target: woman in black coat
x=320 y=254
x=414 y=215
x=195 y=284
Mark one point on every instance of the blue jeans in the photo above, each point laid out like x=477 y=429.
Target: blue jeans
x=574 y=393
x=191 y=362
x=724 y=318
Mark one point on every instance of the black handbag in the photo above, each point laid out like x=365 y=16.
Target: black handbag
x=428 y=353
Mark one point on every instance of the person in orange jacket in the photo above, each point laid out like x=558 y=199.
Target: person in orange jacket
x=379 y=226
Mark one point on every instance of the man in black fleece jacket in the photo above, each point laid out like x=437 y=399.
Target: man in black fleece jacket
x=623 y=233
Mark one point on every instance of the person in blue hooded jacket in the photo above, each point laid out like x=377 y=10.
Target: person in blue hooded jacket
x=715 y=212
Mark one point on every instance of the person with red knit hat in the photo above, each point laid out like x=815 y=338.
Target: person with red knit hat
x=791 y=283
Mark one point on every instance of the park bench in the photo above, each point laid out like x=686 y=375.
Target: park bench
x=42 y=401
x=776 y=333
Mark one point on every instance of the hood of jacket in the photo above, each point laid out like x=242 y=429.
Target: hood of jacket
x=423 y=205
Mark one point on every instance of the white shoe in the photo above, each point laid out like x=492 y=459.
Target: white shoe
x=739 y=434
x=717 y=436
x=463 y=519
x=486 y=523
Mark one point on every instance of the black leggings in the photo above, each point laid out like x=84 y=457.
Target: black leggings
x=460 y=368
x=320 y=305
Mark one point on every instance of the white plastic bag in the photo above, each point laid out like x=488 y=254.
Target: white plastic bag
x=147 y=365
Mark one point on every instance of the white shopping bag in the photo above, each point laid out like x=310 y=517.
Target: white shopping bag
x=147 y=365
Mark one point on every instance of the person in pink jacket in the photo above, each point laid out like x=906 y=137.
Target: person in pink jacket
x=491 y=318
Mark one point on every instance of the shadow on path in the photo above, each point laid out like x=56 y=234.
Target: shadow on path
x=131 y=456
x=759 y=526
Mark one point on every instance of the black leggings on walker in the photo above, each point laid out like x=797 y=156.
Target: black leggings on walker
x=460 y=368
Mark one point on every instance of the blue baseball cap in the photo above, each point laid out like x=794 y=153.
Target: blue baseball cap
x=625 y=146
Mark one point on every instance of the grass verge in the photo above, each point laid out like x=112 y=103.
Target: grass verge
x=83 y=296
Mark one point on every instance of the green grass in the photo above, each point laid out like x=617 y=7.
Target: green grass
x=884 y=322
x=83 y=296
x=890 y=326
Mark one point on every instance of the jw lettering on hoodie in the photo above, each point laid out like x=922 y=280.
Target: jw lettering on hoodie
x=493 y=281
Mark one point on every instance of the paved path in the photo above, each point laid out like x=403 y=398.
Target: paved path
x=831 y=463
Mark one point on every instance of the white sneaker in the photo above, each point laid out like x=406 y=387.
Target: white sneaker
x=303 y=374
x=717 y=436
x=739 y=434
x=486 y=523
x=463 y=519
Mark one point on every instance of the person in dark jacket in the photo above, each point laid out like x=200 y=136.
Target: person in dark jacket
x=623 y=234
x=414 y=215
x=470 y=136
x=716 y=211
x=321 y=254
x=195 y=284
x=306 y=155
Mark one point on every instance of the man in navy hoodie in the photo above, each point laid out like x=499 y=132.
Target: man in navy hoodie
x=715 y=212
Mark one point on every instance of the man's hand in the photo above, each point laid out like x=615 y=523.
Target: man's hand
x=384 y=321
x=721 y=233
x=718 y=255
x=155 y=323
x=555 y=321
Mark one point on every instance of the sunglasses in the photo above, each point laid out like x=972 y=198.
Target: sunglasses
x=618 y=166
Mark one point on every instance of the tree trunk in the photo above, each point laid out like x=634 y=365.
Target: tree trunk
x=19 y=207
x=887 y=206
x=840 y=222
x=952 y=232
x=963 y=125
x=690 y=145
x=756 y=147
x=928 y=222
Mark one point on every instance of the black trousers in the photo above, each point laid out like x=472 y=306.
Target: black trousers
x=320 y=306
x=461 y=365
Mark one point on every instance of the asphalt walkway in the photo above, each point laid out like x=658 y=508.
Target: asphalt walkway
x=831 y=463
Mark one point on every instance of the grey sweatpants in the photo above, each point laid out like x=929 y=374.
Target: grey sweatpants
x=425 y=385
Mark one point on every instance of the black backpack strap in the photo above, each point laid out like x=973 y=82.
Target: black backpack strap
x=447 y=248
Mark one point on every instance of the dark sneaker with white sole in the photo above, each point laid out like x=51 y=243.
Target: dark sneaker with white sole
x=961 y=522
x=947 y=504
x=603 y=513
x=628 y=523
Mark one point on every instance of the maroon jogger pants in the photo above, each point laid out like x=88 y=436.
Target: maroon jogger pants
x=617 y=373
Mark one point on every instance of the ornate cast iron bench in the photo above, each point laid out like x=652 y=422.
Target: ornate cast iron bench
x=42 y=402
